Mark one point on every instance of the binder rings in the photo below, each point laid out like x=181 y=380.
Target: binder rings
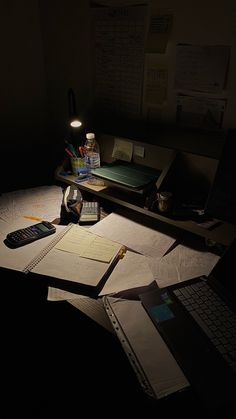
x=63 y=269
x=155 y=367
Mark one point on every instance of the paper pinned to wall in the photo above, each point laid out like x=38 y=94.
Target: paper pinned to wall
x=201 y=68
x=200 y=112
x=160 y=25
x=156 y=84
x=118 y=39
x=122 y=150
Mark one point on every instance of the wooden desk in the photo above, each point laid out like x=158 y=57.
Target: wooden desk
x=134 y=203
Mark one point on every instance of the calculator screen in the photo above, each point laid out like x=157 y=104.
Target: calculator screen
x=39 y=226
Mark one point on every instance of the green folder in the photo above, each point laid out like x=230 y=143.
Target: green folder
x=131 y=175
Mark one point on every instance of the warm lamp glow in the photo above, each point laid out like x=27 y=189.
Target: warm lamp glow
x=75 y=123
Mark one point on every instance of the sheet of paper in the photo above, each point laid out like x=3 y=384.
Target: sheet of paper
x=148 y=348
x=134 y=236
x=56 y=294
x=182 y=263
x=160 y=25
x=156 y=83
x=118 y=40
x=122 y=150
x=132 y=271
x=200 y=112
x=202 y=67
x=82 y=242
x=43 y=202
x=71 y=267
x=93 y=308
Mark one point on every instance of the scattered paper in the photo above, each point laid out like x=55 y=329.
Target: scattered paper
x=56 y=294
x=132 y=271
x=89 y=306
x=182 y=263
x=133 y=235
x=43 y=202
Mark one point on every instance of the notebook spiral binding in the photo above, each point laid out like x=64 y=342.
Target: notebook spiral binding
x=128 y=350
x=46 y=249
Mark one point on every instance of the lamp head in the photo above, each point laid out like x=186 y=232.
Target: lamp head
x=73 y=117
x=75 y=123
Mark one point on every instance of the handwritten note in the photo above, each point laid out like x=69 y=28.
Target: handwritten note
x=123 y=150
x=88 y=245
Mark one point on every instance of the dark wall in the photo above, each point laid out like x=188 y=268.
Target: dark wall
x=45 y=50
x=24 y=135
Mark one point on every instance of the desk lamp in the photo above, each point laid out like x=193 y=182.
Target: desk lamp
x=73 y=117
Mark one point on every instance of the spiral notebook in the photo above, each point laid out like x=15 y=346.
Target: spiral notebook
x=63 y=269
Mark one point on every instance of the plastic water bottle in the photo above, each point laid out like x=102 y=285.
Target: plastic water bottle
x=92 y=151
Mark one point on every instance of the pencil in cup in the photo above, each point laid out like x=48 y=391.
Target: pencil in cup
x=77 y=163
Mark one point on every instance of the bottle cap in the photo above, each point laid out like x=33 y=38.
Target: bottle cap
x=90 y=135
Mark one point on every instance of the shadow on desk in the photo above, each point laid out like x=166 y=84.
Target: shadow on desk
x=60 y=363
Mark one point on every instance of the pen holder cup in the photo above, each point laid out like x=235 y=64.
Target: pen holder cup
x=76 y=164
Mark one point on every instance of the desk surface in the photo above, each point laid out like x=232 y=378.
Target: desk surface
x=48 y=342
x=224 y=233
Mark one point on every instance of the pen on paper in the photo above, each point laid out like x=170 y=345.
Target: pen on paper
x=29 y=217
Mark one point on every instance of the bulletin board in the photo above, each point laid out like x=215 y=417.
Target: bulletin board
x=165 y=63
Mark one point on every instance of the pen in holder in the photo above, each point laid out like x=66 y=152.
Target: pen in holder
x=76 y=164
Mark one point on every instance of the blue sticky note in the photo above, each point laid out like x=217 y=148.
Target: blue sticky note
x=161 y=313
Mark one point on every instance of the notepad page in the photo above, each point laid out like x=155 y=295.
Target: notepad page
x=81 y=241
x=71 y=267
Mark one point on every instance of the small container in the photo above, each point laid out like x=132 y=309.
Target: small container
x=76 y=164
x=164 y=201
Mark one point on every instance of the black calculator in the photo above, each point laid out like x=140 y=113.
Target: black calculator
x=29 y=234
x=90 y=213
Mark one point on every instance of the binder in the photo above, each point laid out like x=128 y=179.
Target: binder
x=62 y=269
x=155 y=367
x=130 y=175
